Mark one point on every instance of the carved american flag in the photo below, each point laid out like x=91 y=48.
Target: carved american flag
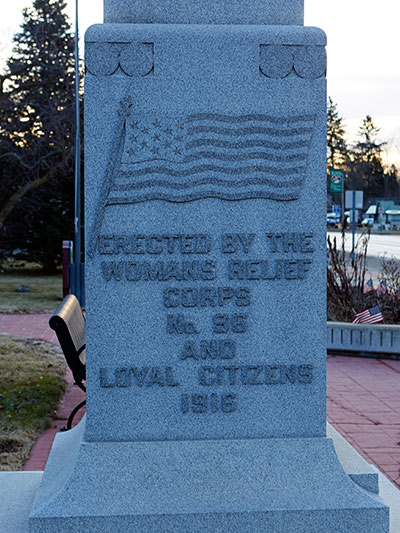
x=181 y=159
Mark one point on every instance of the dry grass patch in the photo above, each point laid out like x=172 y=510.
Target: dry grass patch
x=31 y=386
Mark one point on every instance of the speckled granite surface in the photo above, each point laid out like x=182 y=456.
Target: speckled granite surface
x=205 y=264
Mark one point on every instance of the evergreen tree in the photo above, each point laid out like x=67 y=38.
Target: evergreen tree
x=37 y=129
x=366 y=160
x=367 y=147
x=336 y=143
x=392 y=182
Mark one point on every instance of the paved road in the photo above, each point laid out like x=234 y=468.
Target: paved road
x=378 y=244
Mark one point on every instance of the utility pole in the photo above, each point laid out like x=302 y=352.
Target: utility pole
x=77 y=220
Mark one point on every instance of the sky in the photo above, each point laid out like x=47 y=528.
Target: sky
x=363 y=59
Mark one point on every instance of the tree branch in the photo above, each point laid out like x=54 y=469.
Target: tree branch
x=14 y=199
x=30 y=167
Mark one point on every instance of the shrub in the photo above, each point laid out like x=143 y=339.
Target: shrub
x=346 y=282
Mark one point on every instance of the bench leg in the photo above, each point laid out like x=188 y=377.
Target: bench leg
x=72 y=415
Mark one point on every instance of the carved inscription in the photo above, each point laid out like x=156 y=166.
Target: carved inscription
x=159 y=270
x=207 y=296
x=290 y=242
x=220 y=276
x=208 y=403
x=277 y=374
x=168 y=244
x=138 y=377
x=209 y=349
x=263 y=269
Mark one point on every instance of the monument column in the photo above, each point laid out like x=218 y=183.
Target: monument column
x=205 y=261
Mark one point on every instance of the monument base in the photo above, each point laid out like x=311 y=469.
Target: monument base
x=276 y=485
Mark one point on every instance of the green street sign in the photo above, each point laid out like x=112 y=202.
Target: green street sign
x=336 y=183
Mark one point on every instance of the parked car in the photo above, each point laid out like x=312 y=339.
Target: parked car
x=332 y=219
x=367 y=222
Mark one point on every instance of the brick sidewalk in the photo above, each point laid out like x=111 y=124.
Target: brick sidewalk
x=34 y=326
x=363 y=401
x=363 y=404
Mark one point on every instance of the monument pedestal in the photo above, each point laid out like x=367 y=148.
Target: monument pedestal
x=258 y=485
x=205 y=197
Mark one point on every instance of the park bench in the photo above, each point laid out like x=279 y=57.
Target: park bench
x=69 y=324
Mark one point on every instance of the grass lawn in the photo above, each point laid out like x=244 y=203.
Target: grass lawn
x=45 y=295
x=31 y=386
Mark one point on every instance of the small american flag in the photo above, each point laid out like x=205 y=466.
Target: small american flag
x=368 y=286
x=369 y=316
x=382 y=288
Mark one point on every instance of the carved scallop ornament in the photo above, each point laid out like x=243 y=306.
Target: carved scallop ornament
x=106 y=59
x=278 y=61
x=310 y=61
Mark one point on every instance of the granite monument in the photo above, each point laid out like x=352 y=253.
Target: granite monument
x=205 y=238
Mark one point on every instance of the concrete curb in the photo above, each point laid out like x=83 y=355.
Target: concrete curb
x=376 y=338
